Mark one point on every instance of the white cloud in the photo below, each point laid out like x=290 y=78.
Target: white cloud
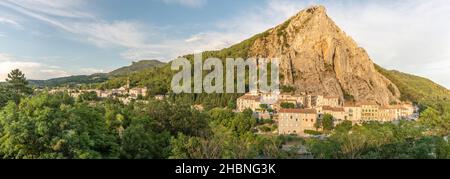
x=92 y=70
x=8 y=21
x=189 y=3
x=103 y=34
x=32 y=70
x=66 y=9
x=410 y=36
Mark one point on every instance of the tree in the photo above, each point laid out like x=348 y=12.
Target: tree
x=223 y=143
x=52 y=127
x=6 y=94
x=326 y=122
x=231 y=104
x=374 y=140
x=141 y=142
x=344 y=126
x=174 y=118
x=18 y=83
x=437 y=123
x=286 y=105
x=88 y=96
x=264 y=107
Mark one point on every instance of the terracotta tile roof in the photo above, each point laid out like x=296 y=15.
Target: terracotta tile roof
x=329 y=108
x=301 y=111
x=351 y=104
x=368 y=103
x=388 y=107
x=250 y=97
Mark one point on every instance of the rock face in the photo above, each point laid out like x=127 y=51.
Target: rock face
x=317 y=57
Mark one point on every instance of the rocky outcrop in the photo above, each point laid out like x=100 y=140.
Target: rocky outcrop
x=317 y=57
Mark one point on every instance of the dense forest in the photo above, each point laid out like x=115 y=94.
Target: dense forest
x=39 y=125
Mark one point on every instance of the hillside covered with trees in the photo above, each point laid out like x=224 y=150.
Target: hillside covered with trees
x=39 y=125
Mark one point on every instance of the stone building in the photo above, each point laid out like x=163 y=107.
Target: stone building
x=337 y=112
x=248 y=101
x=296 y=121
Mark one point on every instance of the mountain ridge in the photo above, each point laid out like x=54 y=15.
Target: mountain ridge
x=317 y=57
x=99 y=77
x=415 y=93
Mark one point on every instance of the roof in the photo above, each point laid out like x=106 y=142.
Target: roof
x=300 y=111
x=329 y=108
x=367 y=103
x=351 y=104
x=388 y=107
x=250 y=97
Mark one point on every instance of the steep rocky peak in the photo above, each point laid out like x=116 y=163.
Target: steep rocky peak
x=317 y=57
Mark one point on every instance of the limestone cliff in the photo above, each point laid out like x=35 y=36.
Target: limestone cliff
x=317 y=57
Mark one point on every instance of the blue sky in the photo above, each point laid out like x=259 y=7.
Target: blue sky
x=49 y=38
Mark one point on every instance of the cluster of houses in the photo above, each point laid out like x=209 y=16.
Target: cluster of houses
x=307 y=109
x=125 y=94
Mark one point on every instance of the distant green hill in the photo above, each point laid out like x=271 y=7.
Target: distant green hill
x=136 y=66
x=99 y=77
x=417 y=89
x=71 y=80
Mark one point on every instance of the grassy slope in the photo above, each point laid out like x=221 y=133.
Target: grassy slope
x=417 y=89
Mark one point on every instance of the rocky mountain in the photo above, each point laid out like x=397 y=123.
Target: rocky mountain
x=317 y=57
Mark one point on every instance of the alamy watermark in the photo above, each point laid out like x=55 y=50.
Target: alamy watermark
x=192 y=78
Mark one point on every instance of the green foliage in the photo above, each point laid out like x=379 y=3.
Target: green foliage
x=374 y=140
x=137 y=66
x=417 y=89
x=286 y=105
x=71 y=81
x=179 y=118
x=88 y=96
x=6 y=94
x=265 y=128
x=288 y=89
x=224 y=144
x=18 y=83
x=239 y=123
x=232 y=104
x=326 y=122
x=436 y=122
x=311 y=132
x=56 y=126
x=47 y=126
x=141 y=142
x=348 y=97
x=344 y=126
x=264 y=107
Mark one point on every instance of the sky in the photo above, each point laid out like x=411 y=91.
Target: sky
x=49 y=38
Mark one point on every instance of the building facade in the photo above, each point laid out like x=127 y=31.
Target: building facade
x=296 y=121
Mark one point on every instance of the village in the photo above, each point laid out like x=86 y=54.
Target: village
x=296 y=114
x=124 y=94
x=293 y=113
